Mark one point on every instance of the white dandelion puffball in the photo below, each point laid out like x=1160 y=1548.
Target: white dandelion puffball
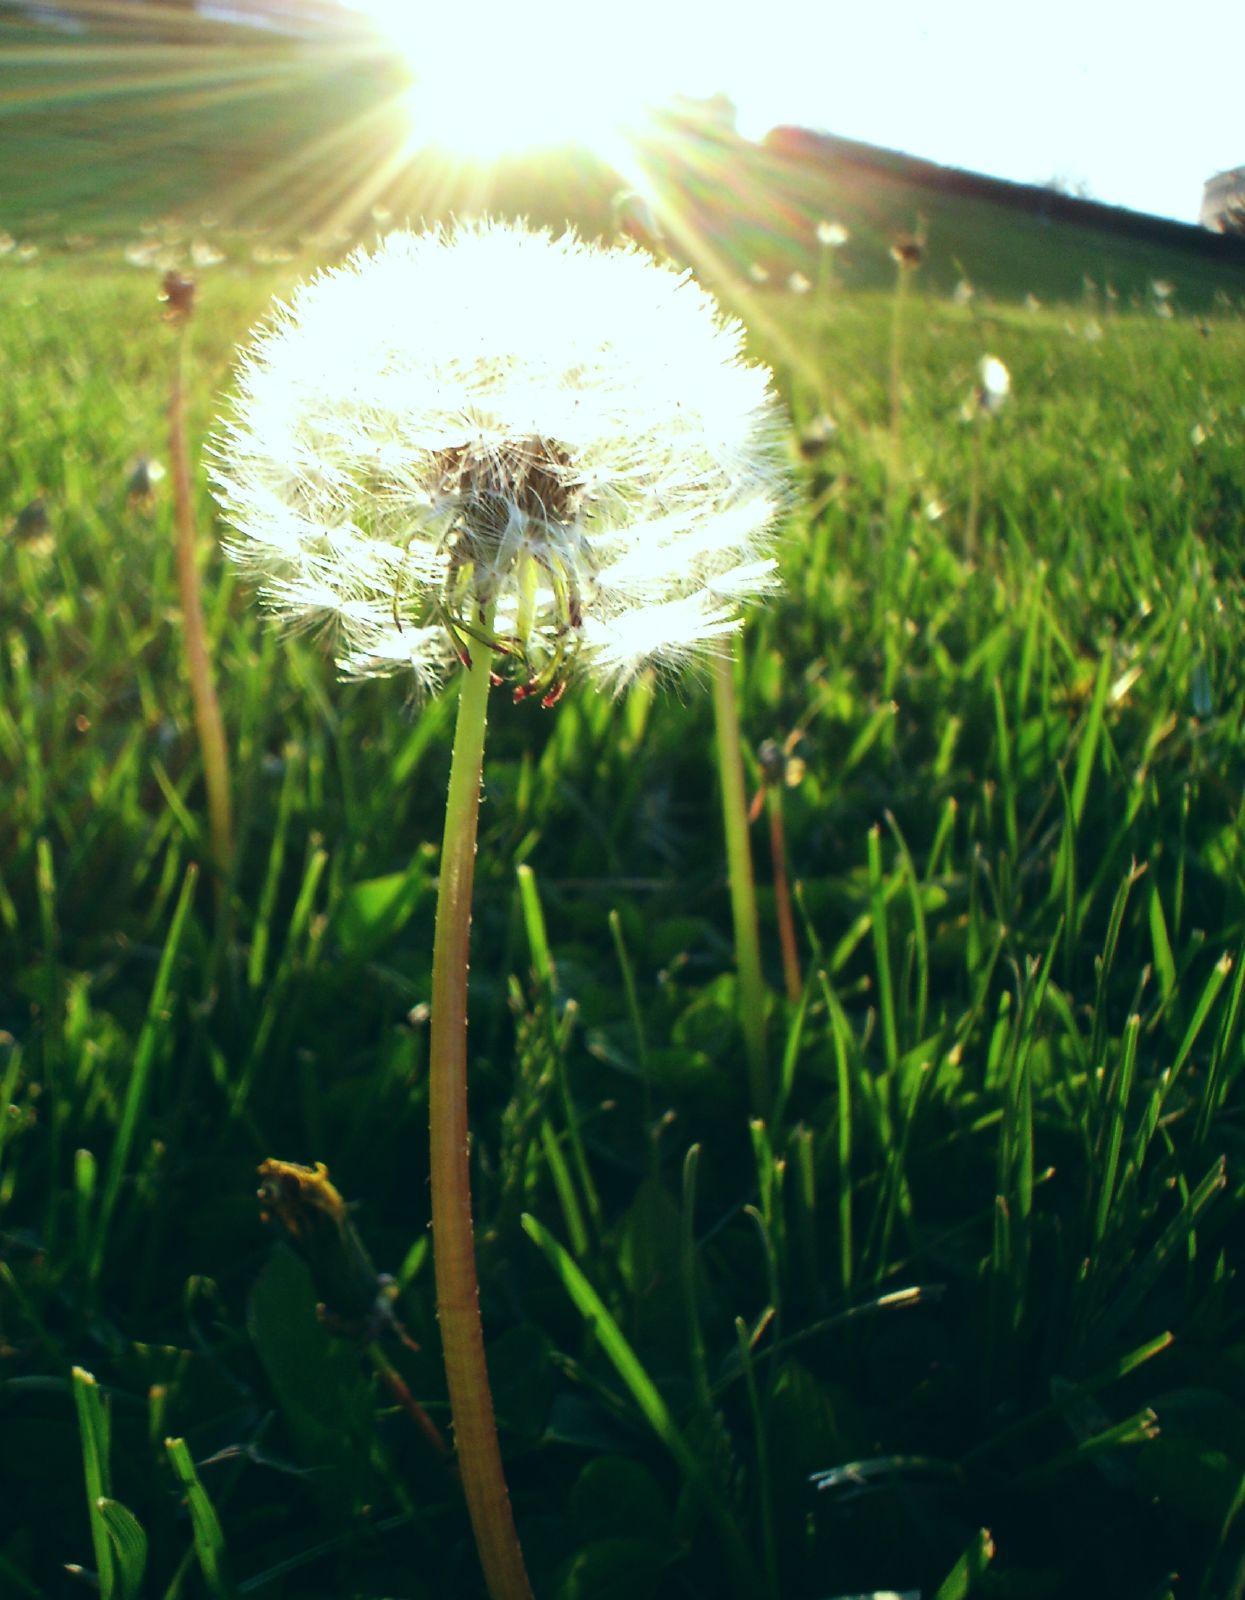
x=487 y=433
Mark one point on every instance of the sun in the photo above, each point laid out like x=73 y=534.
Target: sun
x=496 y=80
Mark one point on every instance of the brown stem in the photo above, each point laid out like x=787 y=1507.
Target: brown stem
x=782 y=899
x=208 y=724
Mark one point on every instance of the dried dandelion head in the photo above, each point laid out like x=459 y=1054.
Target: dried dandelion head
x=908 y=251
x=492 y=433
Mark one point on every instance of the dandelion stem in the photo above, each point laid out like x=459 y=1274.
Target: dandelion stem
x=458 y=1290
x=742 y=886
x=208 y=724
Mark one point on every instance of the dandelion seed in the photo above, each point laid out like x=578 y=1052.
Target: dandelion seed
x=757 y=272
x=1161 y=289
x=1032 y=303
x=491 y=434
x=963 y=293
x=797 y=283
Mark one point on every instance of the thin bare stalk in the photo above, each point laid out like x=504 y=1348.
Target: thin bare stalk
x=902 y=271
x=974 y=494
x=742 y=886
x=453 y=1238
x=208 y=725
x=792 y=980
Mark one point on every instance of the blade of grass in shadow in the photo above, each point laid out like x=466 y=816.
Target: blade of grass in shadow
x=747 y=1579
x=93 y=1429
x=155 y=1025
x=962 y=1579
x=764 y=1486
x=209 y=1537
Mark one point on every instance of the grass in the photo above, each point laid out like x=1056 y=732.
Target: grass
x=961 y=1317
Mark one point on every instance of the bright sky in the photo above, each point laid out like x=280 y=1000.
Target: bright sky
x=1141 y=101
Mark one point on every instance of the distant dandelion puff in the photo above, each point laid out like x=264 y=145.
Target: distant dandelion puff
x=555 y=448
x=204 y=255
x=995 y=385
x=832 y=234
x=798 y=283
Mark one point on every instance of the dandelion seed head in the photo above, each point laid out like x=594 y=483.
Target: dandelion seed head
x=491 y=432
x=832 y=234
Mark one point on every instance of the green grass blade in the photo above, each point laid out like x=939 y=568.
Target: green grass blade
x=962 y=1579
x=881 y=950
x=769 y=1545
x=93 y=1431
x=1089 y=740
x=645 y=1395
x=1118 y=1098
x=129 y=1542
x=209 y=1537
x=149 y=1040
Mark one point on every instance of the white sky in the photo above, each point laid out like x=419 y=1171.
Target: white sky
x=1142 y=101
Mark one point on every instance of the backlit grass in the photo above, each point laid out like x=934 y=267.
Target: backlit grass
x=977 y=1271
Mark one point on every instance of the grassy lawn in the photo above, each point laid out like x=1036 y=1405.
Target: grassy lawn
x=977 y=1271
